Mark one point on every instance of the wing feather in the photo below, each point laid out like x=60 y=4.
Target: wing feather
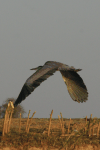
x=74 y=82
x=34 y=81
x=75 y=85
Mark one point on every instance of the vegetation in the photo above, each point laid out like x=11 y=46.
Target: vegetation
x=36 y=136
x=57 y=133
x=16 y=114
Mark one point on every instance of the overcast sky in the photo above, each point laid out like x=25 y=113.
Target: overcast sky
x=33 y=32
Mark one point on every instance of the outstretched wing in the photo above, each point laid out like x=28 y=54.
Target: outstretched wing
x=75 y=85
x=35 y=80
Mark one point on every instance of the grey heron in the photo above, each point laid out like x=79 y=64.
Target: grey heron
x=74 y=82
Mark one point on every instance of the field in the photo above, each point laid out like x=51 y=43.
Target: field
x=49 y=132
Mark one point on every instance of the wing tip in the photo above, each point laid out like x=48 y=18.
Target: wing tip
x=15 y=105
x=82 y=98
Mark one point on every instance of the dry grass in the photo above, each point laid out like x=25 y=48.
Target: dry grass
x=60 y=133
x=38 y=136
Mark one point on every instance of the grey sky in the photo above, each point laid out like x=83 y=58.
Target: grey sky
x=33 y=32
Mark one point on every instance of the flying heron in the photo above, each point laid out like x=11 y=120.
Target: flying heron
x=74 y=82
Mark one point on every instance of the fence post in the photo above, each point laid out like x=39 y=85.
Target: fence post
x=30 y=122
x=7 y=118
x=50 y=122
x=20 y=123
x=27 y=121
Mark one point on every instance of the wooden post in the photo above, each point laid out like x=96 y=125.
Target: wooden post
x=69 y=125
x=30 y=122
x=20 y=123
x=90 y=125
x=7 y=119
x=62 y=124
x=4 y=125
x=85 y=123
x=50 y=122
x=27 y=120
x=10 y=116
x=98 y=129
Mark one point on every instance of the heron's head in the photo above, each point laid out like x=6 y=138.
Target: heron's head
x=37 y=68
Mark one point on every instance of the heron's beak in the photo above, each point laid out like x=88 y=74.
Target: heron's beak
x=39 y=67
x=33 y=69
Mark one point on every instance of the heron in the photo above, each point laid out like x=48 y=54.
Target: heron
x=75 y=85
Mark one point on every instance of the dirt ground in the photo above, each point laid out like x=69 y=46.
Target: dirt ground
x=84 y=147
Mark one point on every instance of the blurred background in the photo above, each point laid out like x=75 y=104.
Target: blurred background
x=33 y=32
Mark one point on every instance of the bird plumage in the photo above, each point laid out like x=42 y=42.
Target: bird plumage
x=74 y=82
x=75 y=85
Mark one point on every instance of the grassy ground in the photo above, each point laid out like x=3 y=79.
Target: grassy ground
x=37 y=135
